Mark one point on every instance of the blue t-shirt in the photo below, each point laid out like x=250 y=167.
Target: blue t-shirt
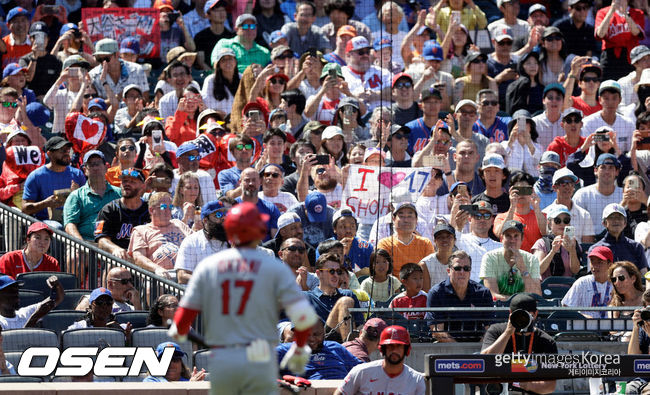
x=331 y=362
x=270 y=209
x=228 y=179
x=42 y=182
x=419 y=136
x=497 y=133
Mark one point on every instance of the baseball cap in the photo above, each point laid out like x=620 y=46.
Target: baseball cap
x=443 y=227
x=523 y=301
x=210 y=4
x=465 y=102
x=373 y=151
x=473 y=55
x=243 y=18
x=312 y=126
x=502 y=2
x=285 y=220
x=97 y=292
x=556 y=210
x=37 y=113
x=178 y=351
x=331 y=66
x=430 y=92
x=356 y=43
x=220 y=53
x=512 y=224
x=343 y=212
x=609 y=85
x=608 y=159
x=571 y=110
x=502 y=32
x=591 y=67
x=75 y=60
x=12 y=69
x=553 y=86
x=536 y=7
x=455 y=185
x=376 y=325
x=98 y=102
x=130 y=45
x=18 y=132
x=92 y=153
x=106 y=46
x=211 y=207
x=6 y=281
x=178 y=53
x=398 y=76
x=68 y=26
x=638 y=53
x=562 y=173
x=613 y=208
x=276 y=36
x=55 y=143
x=602 y=252
x=17 y=11
x=551 y=30
x=316 y=205
x=331 y=132
x=348 y=101
x=484 y=205
x=574 y=2
x=131 y=172
x=38 y=226
x=279 y=51
x=381 y=43
x=432 y=51
x=346 y=30
x=162 y=4
x=185 y=148
x=493 y=160
x=395 y=128
x=38 y=27
x=401 y=205
x=550 y=157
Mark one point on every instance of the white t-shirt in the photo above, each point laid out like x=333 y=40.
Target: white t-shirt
x=640 y=234
x=207 y=94
x=580 y=219
x=547 y=130
x=206 y=183
x=581 y=294
x=431 y=206
x=375 y=79
x=594 y=202
x=519 y=29
x=476 y=247
x=437 y=270
x=283 y=201
x=627 y=90
x=19 y=321
x=623 y=127
x=370 y=378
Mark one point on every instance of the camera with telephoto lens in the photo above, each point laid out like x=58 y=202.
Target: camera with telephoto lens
x=521 y=319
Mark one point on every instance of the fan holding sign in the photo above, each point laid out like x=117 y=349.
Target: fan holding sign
x=21 y=160
x=84 y=133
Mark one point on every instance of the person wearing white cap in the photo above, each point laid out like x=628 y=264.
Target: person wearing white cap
x=564 y=184
x=640 y=59
x=494 y=173
x=466 y=114
x=624 y=249
x=125 y=117
x=558 y=253
x=219 y=88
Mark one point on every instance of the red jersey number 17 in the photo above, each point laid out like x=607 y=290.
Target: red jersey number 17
x=247 y=285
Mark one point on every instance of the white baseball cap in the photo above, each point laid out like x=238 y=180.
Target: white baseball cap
x=286 y=219
x=613 y=208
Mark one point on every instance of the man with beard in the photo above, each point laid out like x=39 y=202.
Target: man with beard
x=250 y=183
x=116 y=220
x=326 y=182
x=370 y=84
x=200 y=245
x=290 y=226
x=293 y=252
x=41 y=184
x=389 y=375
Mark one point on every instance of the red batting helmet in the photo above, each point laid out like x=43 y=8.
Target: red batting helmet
x=244 y=224
x=395 y=334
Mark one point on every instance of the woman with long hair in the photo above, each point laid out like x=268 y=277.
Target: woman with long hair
x=332 y=143
x=455 y=47
x=526 y=92
x=219 y=89
x=269 y=85
x=552 y=55
x=269 y=17
x=628 y=287
x=187 y=198
x=162 y=311
x=475 y=79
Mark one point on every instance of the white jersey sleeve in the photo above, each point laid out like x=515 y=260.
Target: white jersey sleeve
x=370 y=378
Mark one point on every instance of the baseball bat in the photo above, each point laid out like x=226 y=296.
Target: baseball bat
x=194 y=336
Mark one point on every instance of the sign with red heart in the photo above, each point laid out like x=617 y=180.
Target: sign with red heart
x=84 y=133
x=23 y=160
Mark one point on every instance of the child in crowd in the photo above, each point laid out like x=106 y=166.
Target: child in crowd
x=381 y=285
x=412 y=277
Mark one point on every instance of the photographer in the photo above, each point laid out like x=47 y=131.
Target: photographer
x=639 y=343
x=519 y=334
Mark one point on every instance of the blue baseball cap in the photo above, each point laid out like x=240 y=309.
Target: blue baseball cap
x=37 y=113
x=455 y=185
x=211 y=207
x=210 y=4
x=608 y=159
x=130 y=45
x=12 y=69
x=556 y=210
x=276 y=36
x=17 y=11
x=432 y=51
x=97 y=102
x=66 y=27
x=316 y=205
x=6 y=281
x=381 y=43
x=178 y=351
x=185 y=148
x=99 y=292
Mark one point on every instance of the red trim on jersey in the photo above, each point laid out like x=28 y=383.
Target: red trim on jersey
x=183 y=319
x=300 y=337
x=359 y=73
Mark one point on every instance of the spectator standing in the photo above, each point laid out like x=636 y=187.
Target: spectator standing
x=247 y=51
x=510 y=10
x=250 y=185
x=581 y=31
x=370 y=84
x=340 y=13
x=303 y=34
x=609 y=96
x=42 y=67
x=494 y=174
x=571 y=122
x=502 y=63
x=477 y=242
x=207 y=38
x=16 y=44
x=119 y=73
x=188 y=157
x=548 y=123
x=64 y=90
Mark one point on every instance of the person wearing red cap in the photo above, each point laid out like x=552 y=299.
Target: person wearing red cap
x=595 y=289
x=368 y=339
x=33 y=258
x=370 y=84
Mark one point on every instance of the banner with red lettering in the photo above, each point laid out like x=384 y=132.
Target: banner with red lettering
x=369 y=189
x=119 y=23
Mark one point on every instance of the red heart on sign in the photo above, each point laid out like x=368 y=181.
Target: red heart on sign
x=390 y=180
x=89 y=129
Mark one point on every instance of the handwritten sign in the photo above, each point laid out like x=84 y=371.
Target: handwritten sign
x=368 y=189
x=119 y=23
x=22 y=160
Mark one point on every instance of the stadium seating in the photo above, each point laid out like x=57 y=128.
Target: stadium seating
x=20 y=379
x=556 y=286
x=29 y=297
x=72 y=298
x=60 y=320
x=138 y=319
x=152 y=337
x=23 y=338
x=36 y=281
x=93 y=337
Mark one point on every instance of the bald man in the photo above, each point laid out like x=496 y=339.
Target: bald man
x=125 y=296
x=250 y=183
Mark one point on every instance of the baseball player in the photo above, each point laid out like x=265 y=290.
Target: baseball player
x=240 y=292
x=387 y=376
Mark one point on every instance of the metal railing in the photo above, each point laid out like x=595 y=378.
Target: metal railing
x=86 y=260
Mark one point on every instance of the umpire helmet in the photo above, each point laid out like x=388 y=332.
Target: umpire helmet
x=244 y=223
x=395 y=334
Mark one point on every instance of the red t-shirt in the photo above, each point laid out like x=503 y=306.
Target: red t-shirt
x=13 y=263
x=584 y=107
x=562 y=147
x=404 y=301
x=618 y=34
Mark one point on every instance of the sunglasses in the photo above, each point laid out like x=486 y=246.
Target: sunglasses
x=241 y=147
x=300 y=250
x=332 y=271
x=277 y=81
x=572 y=120
x=553 y=38
x=165 y=206
x=463 y=268
x=125 y=148
x=249 y=26
x=8 y=104
x=105 y=303
x=559 y=221
x=122 y=281
x=590 y=79
x=131 y=173
x=506 y=43
x=102 y=59
x=619 y=278
x=482 y=216
x=489 y=103
x=285 y=56
x=320 y=171
x=364 y=51
x=404 y=85
x=564 y=182
x=193 y=158
x=400 y=136
x=443 y=142
x=89 y=96
x=274 y=175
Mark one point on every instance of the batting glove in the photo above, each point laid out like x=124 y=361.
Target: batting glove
x=296 y=358
x=173 y=333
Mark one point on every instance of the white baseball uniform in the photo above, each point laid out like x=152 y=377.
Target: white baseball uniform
x=370 y=379
x=240 y=293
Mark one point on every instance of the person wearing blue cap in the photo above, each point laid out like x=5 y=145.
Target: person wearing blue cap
x=12 y=316
x=177 y=370
x=422 y=128
x=201 y=244
x=549 y=122
x=16 y=44
x=100 y=313
x=15 y=76
x=433 y=76
x=316 y=217
x=207 y=38
x=188 y=157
